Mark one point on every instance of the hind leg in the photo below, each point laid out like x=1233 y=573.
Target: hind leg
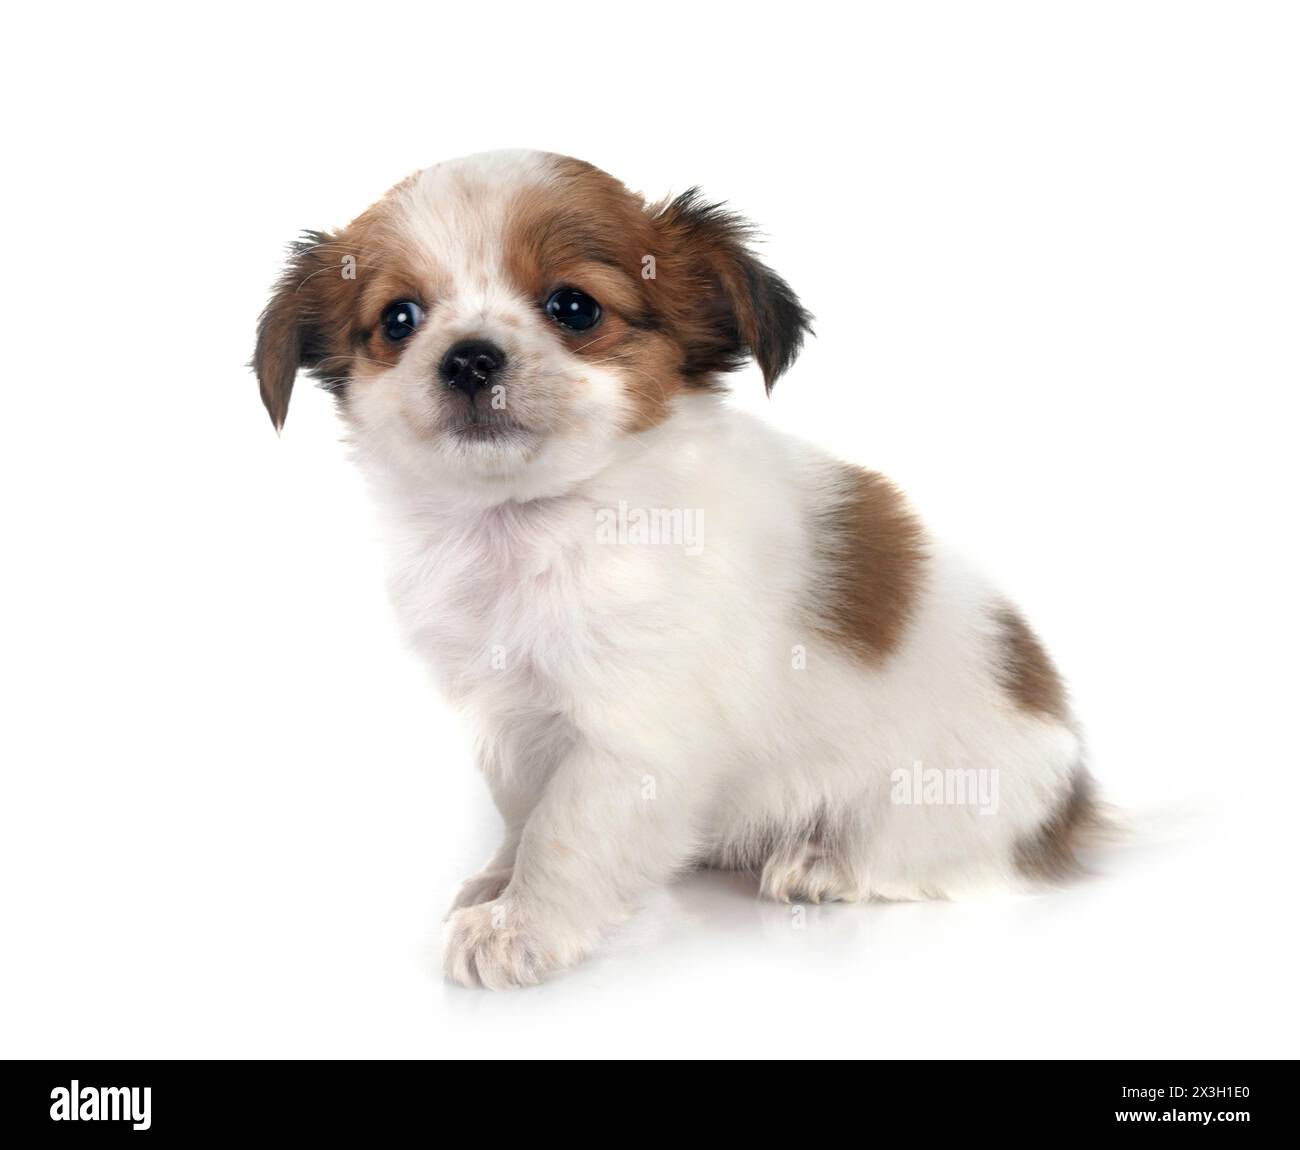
x=811 y=865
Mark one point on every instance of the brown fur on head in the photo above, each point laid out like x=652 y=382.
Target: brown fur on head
x=480 y=246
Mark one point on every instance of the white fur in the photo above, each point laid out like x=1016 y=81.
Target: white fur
x=641 y=708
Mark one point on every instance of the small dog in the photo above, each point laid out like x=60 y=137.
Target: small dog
x=684 y=638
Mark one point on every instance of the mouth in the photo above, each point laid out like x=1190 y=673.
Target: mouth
x=486 y=432
x=493 y=433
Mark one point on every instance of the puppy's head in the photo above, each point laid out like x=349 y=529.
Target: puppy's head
x=509 y=318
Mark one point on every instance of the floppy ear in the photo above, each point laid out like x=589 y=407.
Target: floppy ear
x=293 y=330
x=733 y=305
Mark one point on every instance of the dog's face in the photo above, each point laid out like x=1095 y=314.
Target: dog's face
x=506 y=320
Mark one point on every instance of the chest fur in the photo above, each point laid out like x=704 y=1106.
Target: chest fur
x=502 y=603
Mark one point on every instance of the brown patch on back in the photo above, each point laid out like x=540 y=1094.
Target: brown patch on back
x=1049 y=855
x=1026 y=670
x=873 y=563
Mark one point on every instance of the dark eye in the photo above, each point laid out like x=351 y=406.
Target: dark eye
x=573 y=309
x=400 y=319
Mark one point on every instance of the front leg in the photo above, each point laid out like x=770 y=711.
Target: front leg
x=516 y=774
x=488 y=883
x=604 y=833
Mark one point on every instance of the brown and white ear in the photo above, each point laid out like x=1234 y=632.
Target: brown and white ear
x=733 y=306
x=293 y=331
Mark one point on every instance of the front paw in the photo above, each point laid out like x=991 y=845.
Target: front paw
x=486 y=945
x=497 y=945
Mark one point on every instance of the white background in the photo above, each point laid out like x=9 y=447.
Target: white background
x=1054 y=254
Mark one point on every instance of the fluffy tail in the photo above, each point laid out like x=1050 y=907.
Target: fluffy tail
x=1080 y=822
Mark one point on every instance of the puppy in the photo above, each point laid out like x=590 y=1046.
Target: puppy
x=683 y=638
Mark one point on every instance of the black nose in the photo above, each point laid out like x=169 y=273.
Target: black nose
x=470 y=365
